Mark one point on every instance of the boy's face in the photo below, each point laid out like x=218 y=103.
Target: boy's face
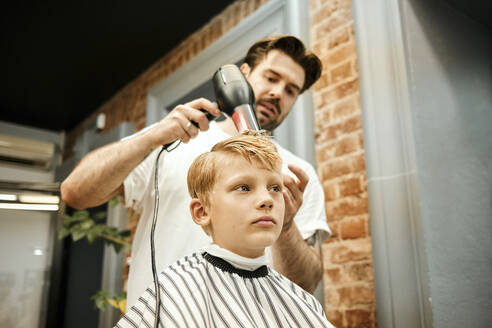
x=246 y=207
x=276 y=82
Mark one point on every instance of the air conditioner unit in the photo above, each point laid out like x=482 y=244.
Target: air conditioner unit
x=26 y=152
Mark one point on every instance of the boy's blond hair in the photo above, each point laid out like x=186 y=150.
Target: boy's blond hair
x=254 y=146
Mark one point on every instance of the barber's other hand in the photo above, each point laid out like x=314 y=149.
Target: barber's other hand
x=293 y=191
x=177 y=124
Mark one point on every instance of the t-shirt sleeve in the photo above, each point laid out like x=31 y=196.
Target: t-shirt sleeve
x=311 y=216
x=138 y=181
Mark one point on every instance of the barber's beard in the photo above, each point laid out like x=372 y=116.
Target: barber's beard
x=269 y=122
x=269 y=125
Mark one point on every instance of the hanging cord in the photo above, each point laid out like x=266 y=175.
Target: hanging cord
x=152 y=231
x=210 y=117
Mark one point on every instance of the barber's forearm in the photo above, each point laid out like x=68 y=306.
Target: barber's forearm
x=296 y=260
x=100 y=174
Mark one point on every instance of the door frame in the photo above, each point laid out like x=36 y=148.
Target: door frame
x=401 y=277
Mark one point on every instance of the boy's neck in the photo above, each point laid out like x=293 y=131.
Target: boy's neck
x=237 y=260
x=246 y=254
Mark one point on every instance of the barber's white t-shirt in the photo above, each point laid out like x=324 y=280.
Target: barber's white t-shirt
x=176 y=235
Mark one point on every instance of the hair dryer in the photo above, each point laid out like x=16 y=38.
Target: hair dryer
x=235 y=97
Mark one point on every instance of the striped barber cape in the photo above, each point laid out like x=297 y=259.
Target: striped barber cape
x=203 y=290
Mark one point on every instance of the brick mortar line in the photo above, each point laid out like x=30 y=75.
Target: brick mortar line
x=338 y=179
x=322 y=108
x=331 y=87
x=335 y=122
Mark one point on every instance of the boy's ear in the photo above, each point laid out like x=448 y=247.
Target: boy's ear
x=199 y=213
x=245 y=69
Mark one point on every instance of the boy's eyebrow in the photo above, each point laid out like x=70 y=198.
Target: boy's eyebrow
x=293 y=85
x=246 y=175
x=242 y=176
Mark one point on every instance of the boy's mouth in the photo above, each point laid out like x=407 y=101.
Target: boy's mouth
x=265 y=221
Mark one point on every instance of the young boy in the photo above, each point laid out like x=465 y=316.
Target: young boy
x=237 y=199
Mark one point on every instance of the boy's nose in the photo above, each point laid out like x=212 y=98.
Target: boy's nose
x=266 y=202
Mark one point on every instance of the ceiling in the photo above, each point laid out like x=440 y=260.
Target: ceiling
x=64 y=59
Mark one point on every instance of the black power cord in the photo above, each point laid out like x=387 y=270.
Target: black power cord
x=152 y=232
x=210 y=117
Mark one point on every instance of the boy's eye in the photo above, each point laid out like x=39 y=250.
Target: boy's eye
x=276 y=189
x=242 y=188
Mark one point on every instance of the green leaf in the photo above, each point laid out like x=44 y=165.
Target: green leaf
x=101 y=299
x=87 y=224
x=111 y=231
x=98 y=228
x=100 y=216
x=114 y=201
x=63 y=233
x=77 y=216
x=125 y=233
x=68 y=221
x=117 y=247
x=121 y=296
x=91 y=236
x=80 y=215
x=78 y=234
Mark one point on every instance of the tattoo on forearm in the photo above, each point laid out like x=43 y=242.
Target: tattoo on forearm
x=311 y=241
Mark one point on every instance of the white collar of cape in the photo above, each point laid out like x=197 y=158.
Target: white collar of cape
x=238 y=261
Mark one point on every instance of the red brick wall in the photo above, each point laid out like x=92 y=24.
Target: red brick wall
x=349 y=282
x=347 y=259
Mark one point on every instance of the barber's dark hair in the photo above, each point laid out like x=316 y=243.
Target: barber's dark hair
x=292 y=47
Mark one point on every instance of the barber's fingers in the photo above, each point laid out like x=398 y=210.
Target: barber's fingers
x=292 y=193
x=292 y=199
x=301 y=175
x=294 y=188
x=185 y=129
x=190 y=114
x=183 y=122
x=195 y=110
x=290 y=204
x=192 y=117
x=176 y=125
x=203 y=103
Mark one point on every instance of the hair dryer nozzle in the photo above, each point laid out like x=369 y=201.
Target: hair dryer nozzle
x=235 y=97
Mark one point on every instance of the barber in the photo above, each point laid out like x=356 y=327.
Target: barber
x=279 y=69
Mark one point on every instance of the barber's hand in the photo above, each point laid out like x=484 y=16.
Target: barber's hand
x=177 y=124
x=293 y=191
